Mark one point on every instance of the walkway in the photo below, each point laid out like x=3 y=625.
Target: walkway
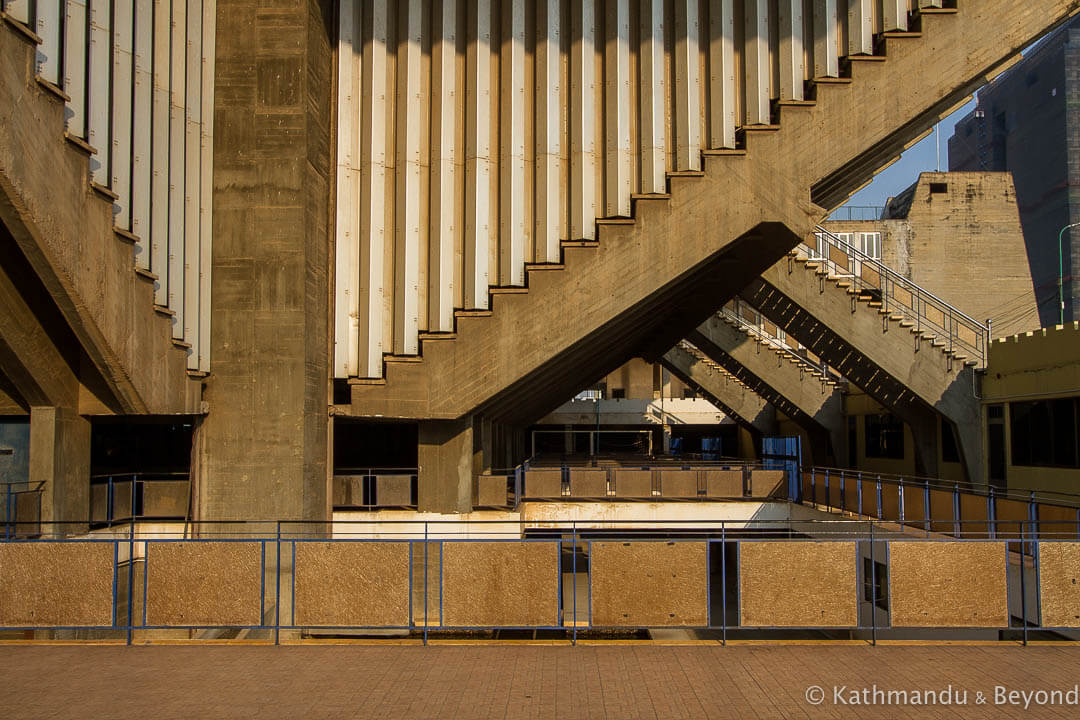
x=515 y=681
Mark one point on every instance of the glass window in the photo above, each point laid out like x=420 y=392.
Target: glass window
x=884 y=437
x=870 y=244
x=1044 y=433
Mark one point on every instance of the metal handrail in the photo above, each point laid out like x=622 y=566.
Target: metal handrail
x=776 y=343
x=921 y=299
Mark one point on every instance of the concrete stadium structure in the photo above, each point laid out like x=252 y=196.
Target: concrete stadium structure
x=446 y=220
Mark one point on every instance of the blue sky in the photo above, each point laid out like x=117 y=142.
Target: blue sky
x=921 y=157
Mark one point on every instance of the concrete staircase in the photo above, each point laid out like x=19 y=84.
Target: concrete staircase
x=78 y=323
x=809 y=395
x=721 y=387
x=651 y=278
x=878 y=346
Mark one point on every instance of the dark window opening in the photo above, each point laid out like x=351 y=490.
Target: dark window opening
x=689 y=394
x=939 y=187
x=618 y=393
x=875 y=583
x=342 y=392
x=1044 y=433
x=884 y=437
x=372 y=445
x=1031 y=79
x=950 y=450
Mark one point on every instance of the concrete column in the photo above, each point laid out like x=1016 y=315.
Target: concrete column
x=264 y=441
x=60 y=458
x=445 y=465
x=925 y=434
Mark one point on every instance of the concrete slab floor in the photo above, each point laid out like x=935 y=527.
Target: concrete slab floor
x=527 y=681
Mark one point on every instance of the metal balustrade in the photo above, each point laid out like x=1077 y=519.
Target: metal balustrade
x=929 y=316
x=721 y=578
x=733 y=311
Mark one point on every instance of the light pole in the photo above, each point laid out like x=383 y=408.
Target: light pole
x=1061 y=271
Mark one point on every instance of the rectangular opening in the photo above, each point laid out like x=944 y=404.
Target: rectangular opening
x=939 y=187
x=884 y=437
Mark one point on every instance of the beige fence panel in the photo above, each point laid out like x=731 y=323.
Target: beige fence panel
x=948 y=584
x=352 y=583
x=514 y=583
x=798 y=584
x=1059 y=584
x=211 y=583
x=649 y=584
x=67 y=584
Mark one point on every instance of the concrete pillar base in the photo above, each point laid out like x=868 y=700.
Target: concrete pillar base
x=60 y=461
x=445 y=465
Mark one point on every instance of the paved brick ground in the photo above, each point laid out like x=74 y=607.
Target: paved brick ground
x=518 y=681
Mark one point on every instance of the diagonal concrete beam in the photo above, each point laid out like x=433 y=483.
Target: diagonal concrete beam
x=813 y=404
x=740 y=402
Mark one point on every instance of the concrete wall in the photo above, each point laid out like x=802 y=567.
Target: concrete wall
x=14 y=436
x=965 y=245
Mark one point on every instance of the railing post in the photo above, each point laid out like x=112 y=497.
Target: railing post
x=828 y=492
x=873 y=591
x=131 y=577
x=991 y=514
x=277 y=586
x=723 y=583
x=1023 y=588
x=956 y=509
x=926 y=506
x=573 y=578
x=427 y=557
x=900 y=500
x=1033 y=516
x=880 y=500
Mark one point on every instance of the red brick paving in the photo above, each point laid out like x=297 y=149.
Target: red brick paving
x=512 y=681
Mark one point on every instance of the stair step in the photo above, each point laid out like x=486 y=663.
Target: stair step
x=508 y=290
x=615 y=221
x=79 y=143
x=866 y=58
x=936 y=11
x=402 y=358
x=873 y=303
x=146 y=275
x=438 y=335
x=796 y=103
x=162 y=310
x=685 y=173
x=472 y=313
x=723 y=152
x=842 y=284
x=760 y=128
x=126 y=235
x=23 y=29
x=181 y=343
x=104 y=192
x=197 y=373
x=650 y=196
x=531 y=267
x=367 y=381
x=831 y=81
x=901 y=34
x=906 y=324
x=52 y=89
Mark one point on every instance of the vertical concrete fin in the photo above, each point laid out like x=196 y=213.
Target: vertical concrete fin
x=721 y=74
x=47 y=26
x=688 y=106
x=177 y=165
x=373 y=159
x=792 y=57
x=98 y=94
x=478 y=160
x=860 y=27
x=408 y=228
x=583 y=121
x=513 y=232
x=756 y=57
x=19 y=10
x=192 y=179
x=617 y=160
x=347 y=223
x=75 y=56
x=895 y=15
x=549 y=184
x=159 y=162
x=653 y=97
x=141 y=132
x=444 y=233
x=123 y=38
x=201 y=357
x=826 y=34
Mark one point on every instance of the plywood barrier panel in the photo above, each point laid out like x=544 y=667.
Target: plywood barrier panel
x=166 y=498
x=588 y=483
x=942 y=514
x=868 y=505
x=724 y=483
x=973 y=515
x=512 y=583
x=491 y=491
x=67 y=584
x=836 y=487
x=352 y=584
x=426 y=570
x=27 y=510
x=212 y=583
x=649 y=584
x=1056 y=522
x=798 y=584
x=393 y=490
x=678 y=483
x=766 y=483
x=99 y=503
x=340 y=486
x=807 y=488
x=851 y=494
x=1011 y=517
x=1059 y=584
x=890 y=501
x=948 y=584
x=121 y=500
x=543 y=483
x=914 y=506
x=633 y=483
